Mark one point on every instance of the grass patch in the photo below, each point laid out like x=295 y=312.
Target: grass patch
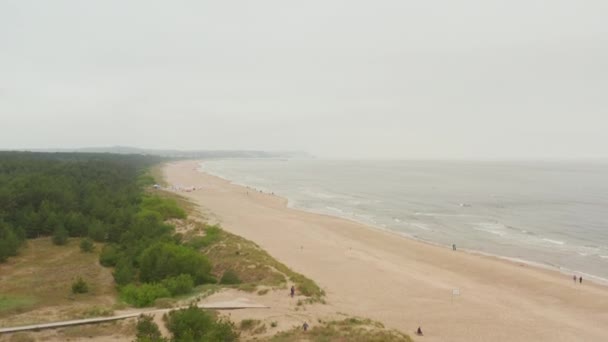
x=97 y=311
x=350 y=329
x=259 y=330
x=36 y=285
x=10 y=304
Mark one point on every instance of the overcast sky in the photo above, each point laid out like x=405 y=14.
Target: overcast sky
x=357 y=79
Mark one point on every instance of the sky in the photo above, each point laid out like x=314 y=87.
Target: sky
x=467 y=79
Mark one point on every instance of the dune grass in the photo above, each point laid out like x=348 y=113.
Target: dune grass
x=350 y=329
x=252 y=265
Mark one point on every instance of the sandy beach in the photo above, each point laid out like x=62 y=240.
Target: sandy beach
x=401 y=282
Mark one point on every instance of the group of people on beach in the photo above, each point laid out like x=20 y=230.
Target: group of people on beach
x=580 y=279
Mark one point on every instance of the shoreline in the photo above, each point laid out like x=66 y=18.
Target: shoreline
x=291 y=205
x=405 y=283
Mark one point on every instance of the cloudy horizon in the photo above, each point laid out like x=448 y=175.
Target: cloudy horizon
x=350 y=79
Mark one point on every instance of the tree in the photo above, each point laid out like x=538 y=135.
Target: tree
x=164 y=259
x=110 y=255
x=124 y=272
x=182 y=284
x=76 y=224
x=144 y=295
x=60 y=236
x=196 y=324
x=147 y=330
x=9 y=242
x=86 y=245
x=97 y=231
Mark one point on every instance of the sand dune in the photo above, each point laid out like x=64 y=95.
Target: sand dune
x=405 y=283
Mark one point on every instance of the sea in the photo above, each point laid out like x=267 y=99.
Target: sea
x=551 y=214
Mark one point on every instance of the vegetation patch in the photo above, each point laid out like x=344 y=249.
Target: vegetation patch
x=249 y=324
x=10 y=304
x=147 y=330
x=350 y=329
x=196 y=324
x=80 y=286
x=40 y=280
x=233 y=257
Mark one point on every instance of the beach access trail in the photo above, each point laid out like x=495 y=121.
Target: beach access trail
x=403 y=283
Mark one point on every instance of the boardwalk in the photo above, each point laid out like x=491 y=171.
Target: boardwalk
x=240 y=303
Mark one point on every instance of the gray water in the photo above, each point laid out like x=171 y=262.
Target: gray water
x=550 y=213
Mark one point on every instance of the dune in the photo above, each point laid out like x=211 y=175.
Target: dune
x=403 y=283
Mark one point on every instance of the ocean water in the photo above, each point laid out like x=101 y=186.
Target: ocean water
x=549 y=213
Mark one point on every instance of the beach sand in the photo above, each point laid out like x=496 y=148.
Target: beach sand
x=401 y=282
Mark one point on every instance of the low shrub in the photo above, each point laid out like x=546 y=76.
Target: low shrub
x=182 y=284
x=196 y=324
x=212 y=235
x=86 y=245
x=230 y=278
x=80 y=286
x=144 y=295
x=147 y=330
x=248 y=324
x=60 y=236
x=110 y=255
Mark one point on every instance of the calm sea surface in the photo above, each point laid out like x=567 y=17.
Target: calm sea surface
x=551 y=213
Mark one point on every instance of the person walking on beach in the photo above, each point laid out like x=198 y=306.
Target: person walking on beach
x=574 y=278
x=293 y=291
x=453 y=246
x=305 y=326
x=580 y=279
x=419 y=332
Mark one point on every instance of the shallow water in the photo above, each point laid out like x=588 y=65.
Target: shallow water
x=552 y=213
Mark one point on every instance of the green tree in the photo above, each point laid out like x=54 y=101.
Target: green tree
x=9 y=242
x=124 y=272
x=163 y=260
x=147 y=330
x=196 y=324
x=60 y=236
x=110 y=255
x=97 y=231
x=144 y=295
x=86 y=245
x=182 y=284
x=76 y=224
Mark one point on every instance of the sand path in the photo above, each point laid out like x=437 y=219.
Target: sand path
x=405 y=283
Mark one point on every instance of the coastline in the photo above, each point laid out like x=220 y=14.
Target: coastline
x=544 y=266
x=406 y=282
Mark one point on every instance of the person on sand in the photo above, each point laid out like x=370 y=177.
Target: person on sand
x=453 y=246
x=293 y=291
x=574 y=278
x=305 y=326
x=419 y=332
x=580 y=279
